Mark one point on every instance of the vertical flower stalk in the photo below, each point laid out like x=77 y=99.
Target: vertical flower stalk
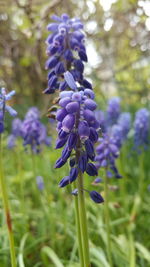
x=107 y=218
x=76 y=123
x=77 y=219
x=3 y=107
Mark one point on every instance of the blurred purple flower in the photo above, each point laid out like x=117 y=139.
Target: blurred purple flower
x=40 y=183
x=142 y=128
x=107 y=153
x=4 y=97
x=124 y=121
x=113 y=110
x=33 y=131
x=11 y=141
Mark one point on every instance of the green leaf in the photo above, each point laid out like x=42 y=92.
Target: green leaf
x=143 y=251
x=98 y=254
x=47 y=251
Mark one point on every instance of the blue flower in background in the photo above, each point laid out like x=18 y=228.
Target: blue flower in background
x=33 y=131
x=113 y=110
x=11 y=141
x=124 y=121
x=16 y=127
x=4 y=97
x=101 y=118
x=15 y=133
x=142 y=128
x=33 y=113
x=40 y=183
x=107 y=153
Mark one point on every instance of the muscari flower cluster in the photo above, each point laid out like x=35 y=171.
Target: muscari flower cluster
x=66 y=51
x=107 y=153
x=77 y=132
x=31 y=130
x=110 y=144
x=4 y=97
x=77 y=126
x=120 y=130
x=113 y=110
x=141 y=128
x=15 y=133
x=40 y=182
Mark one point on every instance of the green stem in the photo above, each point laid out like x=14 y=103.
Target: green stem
x=132 y=248
x=6 y=209
x=123 y=180
x=83 y=221
x=33 y=164
x=142 y=175
x=77 y=218
x=107 y=219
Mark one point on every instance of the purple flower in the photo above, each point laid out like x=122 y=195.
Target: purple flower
x=117 y=135
x=101 y=118
x=142 y=128
x=64 y=181
x=66 y=50
x=4 y=97
x=76 y=122
x=75 y=131
x=75 y=192
x=16 y=127
x=40 y=183
x=1 y=122
x=33 y=131
x=124 y=121
x=11 y=141
x=107 y=153
x=32 y=113
x=113 y=110
x=97 y=180
x=16 y=132
x=91 y=169
x=96 y=197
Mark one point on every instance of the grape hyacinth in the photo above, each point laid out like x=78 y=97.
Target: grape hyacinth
x=107 y=153
x=76 y=123
x=77 y=126
x=66 y=51
x=142 y=128
x=40 y=183
x=16 y=132
x=33 y=131
x=101 y=118
x=113 y=110
x=120 y=130
x=4 y=97
x=77 y=131
x=124 y=121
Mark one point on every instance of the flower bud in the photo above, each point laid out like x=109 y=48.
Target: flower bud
x=72 y=107
x=83 y=130
x=96 y=197
x=90 y=104
x=68 y=123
